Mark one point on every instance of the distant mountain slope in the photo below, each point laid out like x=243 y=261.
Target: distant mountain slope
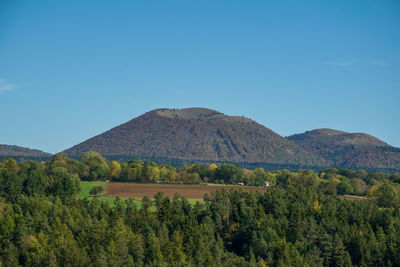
x=22 y=153
x=197 y=134
x=349 y=150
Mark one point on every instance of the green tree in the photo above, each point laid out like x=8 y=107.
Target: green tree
x=63 y=183
x=96 y=190
x=11 y=185
x=385 y=194
x=228 y=173
x=115 y=170
x=151 y=172
x=344 y=187
x=94 y=166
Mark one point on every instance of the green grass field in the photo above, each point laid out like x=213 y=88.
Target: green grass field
x=86 y=186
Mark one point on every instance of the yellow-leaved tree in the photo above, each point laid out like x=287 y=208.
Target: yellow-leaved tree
x=212 y=166
x=115 y=168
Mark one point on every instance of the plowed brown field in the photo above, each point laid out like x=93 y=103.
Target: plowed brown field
x=127 y=190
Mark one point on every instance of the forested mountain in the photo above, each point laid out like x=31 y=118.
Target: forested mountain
x=196 y=134
x=22 y=153
x=349 y=150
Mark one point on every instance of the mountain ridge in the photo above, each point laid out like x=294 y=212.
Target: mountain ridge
x=206 y=135
x=201 y=135
x=198 y=134
x=22 y=153
x=349 y=150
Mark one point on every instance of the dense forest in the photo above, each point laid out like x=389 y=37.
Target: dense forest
x=301 y=220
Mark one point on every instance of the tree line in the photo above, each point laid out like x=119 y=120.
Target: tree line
x=298 y=221
x=61 y=175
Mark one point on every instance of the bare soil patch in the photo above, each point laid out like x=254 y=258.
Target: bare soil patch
x=126 y=190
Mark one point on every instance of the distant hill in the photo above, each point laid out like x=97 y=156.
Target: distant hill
x=349 y=150
x=196 y=134
x=22 y=153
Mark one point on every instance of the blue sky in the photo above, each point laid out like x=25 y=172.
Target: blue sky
x=70 y=70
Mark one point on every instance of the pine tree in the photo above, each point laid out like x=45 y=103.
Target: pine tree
x=326 y=248
x=340 y=256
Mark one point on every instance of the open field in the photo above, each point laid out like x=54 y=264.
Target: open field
x=86 y=186
x=193 y=193
x=126 y=190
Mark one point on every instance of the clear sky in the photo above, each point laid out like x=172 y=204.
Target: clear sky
x=70 y=70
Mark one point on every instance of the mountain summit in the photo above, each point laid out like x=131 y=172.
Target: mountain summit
x=196 y=134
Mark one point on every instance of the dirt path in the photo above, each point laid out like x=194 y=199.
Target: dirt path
x=352 y=198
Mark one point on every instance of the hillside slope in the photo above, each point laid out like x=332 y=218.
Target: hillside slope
x=349 y=150
x=196 y=134
x=22 y=153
